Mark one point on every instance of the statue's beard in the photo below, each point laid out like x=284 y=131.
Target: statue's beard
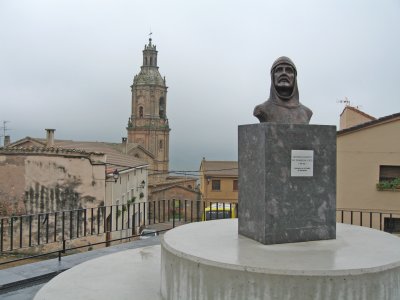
x=284 y=92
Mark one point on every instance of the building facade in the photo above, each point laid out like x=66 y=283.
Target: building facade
x=47 y=175
x=352 y=116
x=219 y=181
x=37 y=180
x=368 y=155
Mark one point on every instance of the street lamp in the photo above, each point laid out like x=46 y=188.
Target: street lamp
x=115 y=175
x=141 y=185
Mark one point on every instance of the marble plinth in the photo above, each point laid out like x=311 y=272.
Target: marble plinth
x=209 y=260
x=287 y=182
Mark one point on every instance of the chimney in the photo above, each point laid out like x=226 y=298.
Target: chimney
x=50 y=137
x=124 y=145
x=7 y=140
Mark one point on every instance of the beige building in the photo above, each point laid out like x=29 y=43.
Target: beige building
x=368 y=152
x=352 y=116
x=46 y=175
x=181 y=198
x=219 y=181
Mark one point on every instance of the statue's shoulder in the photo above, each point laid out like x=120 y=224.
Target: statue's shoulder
x=262 y=110
x=307 y=111
x=267 y=105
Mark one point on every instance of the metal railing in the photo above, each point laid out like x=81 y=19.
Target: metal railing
x=388 y=221
x=99 y=224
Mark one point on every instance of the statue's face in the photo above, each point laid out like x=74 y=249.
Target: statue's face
x=284 y=77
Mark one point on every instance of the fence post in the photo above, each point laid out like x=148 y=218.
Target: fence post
x=61 y=251
x=173 y=216
x=1 y=235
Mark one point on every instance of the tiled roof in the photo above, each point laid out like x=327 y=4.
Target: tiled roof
x=174 y=180
x=48 y=150
x=113 y=156
x=220 y=168
x=176 y=186
x=370 y=123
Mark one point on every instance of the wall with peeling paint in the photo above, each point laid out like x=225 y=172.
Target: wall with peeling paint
x=32 y=183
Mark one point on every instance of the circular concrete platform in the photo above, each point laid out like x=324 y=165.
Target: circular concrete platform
x=209 y=260
x=131 y=274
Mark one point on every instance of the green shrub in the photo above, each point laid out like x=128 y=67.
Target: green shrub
x=388 y=184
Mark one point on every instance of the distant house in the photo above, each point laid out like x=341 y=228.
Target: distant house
x=175 y=187
x=219 y=181
x=45 y=175
x=368 y=153
x=183 y=198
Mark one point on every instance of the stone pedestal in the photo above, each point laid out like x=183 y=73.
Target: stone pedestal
x=287 y=182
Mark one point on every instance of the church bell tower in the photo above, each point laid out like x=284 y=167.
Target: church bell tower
x=148 y=124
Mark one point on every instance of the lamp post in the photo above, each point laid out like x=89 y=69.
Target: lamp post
x=115 y=175
x=142 y=184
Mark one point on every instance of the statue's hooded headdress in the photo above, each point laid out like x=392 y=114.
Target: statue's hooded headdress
x=292 y=100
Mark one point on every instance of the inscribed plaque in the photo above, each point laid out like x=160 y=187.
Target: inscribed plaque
x=302 y=163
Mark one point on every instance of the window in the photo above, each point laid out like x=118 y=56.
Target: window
x=235 y=185
x=160 y=145
x=161 y=108
x=216 y=185
x=389 y=178
x=387 y=173
x=140 y=111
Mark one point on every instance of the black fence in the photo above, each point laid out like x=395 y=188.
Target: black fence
x=388 y=221
x=30 y=233
x=54 y=233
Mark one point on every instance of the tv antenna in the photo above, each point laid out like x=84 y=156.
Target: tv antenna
x=347 y=102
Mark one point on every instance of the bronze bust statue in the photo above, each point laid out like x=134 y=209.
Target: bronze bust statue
x=283 y=105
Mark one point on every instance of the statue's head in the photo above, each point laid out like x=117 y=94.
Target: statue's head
x=283 y=77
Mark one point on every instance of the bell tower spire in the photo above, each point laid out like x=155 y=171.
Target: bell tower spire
x=150 y=55
x=148 y=124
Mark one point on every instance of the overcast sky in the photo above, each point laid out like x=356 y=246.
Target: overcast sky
x=69 y=65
